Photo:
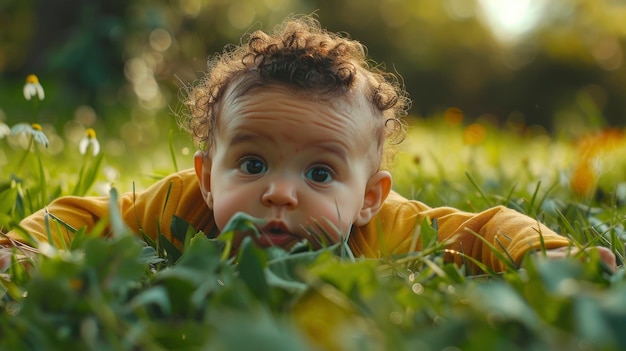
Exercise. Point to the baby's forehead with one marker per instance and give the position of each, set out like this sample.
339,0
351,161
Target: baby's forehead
355,101
348,103
357,98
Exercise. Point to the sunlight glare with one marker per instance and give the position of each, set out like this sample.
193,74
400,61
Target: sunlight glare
510,20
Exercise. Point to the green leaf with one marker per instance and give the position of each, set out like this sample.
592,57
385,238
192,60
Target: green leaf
591,323
180,228
197,274
200,261
171,251
503,303
242,222
345,275
285,272
252,262
117,262
154,296
428,232
78,239
255,330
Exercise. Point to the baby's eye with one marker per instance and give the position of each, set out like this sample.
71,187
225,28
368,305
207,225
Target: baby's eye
320,174
252,166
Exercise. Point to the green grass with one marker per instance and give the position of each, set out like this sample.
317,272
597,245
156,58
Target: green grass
123,293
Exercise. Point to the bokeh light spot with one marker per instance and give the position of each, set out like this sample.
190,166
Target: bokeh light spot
85,115
160,39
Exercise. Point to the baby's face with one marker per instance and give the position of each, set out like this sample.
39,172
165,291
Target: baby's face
291,161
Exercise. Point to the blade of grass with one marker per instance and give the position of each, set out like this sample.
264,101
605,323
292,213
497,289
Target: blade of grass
88,173
43,191
531,209
479,189
171,149
510,264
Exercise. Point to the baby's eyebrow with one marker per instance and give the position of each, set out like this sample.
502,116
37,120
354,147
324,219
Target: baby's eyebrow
241,138
334,148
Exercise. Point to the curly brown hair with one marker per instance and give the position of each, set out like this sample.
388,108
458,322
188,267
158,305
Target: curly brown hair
298,53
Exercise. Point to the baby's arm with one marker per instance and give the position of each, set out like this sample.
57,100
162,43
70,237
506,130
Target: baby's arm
72,212
150,211
512,233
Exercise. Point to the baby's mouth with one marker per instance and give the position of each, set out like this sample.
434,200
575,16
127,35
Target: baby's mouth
276,233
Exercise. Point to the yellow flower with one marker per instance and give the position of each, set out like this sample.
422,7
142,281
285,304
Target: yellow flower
89,140
33,87
31,129
474,134
592,149
584,178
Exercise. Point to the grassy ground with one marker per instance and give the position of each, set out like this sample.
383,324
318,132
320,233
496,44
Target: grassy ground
121,293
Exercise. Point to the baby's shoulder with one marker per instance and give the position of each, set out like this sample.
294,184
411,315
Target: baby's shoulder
396,202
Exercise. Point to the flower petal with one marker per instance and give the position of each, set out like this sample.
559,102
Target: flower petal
29,91
40,93
21,128
41,138
83,144
96,146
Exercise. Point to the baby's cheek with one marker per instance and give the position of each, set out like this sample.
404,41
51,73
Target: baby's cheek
222,212
336,227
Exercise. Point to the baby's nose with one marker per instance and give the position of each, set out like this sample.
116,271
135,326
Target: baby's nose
281,193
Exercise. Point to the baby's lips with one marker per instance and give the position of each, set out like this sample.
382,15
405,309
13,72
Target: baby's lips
275,227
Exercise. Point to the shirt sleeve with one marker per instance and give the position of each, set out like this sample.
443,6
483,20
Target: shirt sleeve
149,211
395,231
71,211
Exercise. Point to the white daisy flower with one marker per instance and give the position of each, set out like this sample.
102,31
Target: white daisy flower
33,88
33,130
89,140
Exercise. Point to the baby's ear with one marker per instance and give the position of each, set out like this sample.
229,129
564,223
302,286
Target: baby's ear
378,187
202,165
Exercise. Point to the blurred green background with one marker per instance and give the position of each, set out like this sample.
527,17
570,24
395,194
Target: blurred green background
556,65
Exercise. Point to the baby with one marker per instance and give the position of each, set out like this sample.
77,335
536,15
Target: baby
292,129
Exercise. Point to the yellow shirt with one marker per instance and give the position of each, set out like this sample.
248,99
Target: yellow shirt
392,231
